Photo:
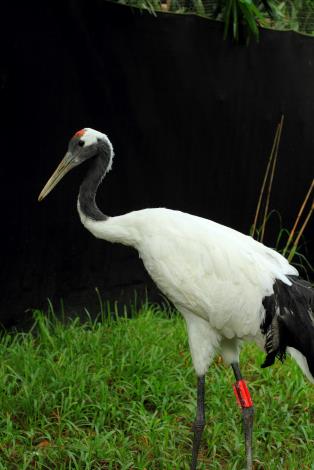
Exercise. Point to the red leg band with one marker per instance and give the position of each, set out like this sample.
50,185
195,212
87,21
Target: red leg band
242,394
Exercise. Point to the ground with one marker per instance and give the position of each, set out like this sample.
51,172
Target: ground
120,394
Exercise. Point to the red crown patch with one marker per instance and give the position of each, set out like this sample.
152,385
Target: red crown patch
79,133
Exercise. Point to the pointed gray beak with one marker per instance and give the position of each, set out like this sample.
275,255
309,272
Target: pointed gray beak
63,168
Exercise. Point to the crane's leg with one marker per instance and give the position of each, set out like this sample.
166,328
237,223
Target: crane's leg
199,423
244,399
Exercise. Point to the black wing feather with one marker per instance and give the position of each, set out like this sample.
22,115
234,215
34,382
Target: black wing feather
289,320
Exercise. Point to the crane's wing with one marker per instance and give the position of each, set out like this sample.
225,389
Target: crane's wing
211,270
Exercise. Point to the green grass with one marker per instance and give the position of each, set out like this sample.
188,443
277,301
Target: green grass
120,394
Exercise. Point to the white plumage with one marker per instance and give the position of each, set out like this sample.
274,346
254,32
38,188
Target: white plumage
214,275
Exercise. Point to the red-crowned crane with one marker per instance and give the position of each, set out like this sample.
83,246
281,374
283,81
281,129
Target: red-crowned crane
227,286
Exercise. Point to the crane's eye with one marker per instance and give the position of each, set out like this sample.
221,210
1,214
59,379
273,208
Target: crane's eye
81,143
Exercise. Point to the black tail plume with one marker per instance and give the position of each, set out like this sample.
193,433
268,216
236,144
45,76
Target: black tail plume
289,321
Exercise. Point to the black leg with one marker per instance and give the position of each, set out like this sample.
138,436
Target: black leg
245,401
199,423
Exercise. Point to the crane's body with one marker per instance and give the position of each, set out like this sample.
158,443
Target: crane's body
228,286
217,277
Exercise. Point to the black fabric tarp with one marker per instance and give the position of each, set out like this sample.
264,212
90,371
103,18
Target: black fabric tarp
191,117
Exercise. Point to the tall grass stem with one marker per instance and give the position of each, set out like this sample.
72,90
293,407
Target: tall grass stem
296,242
260,199
296,223
274,161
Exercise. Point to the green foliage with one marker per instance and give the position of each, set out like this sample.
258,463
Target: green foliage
120,394
150,5
239,14
297,15
242,18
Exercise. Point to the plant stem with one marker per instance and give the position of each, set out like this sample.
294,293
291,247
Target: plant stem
298,218
264,183
295,245
278,135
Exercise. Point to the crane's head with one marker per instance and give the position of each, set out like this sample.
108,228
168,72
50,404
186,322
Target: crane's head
84,145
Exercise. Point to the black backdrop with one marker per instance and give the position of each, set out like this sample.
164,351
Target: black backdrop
191,117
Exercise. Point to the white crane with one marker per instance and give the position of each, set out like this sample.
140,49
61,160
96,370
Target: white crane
227,286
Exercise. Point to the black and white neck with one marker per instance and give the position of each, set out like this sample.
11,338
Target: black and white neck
100,163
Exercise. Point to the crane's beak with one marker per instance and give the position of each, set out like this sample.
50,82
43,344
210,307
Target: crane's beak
63,168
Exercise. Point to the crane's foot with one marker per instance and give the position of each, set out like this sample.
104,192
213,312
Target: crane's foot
245,402
199,423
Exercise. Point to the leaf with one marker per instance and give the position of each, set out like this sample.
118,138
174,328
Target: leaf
227,16
235,21
249,18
